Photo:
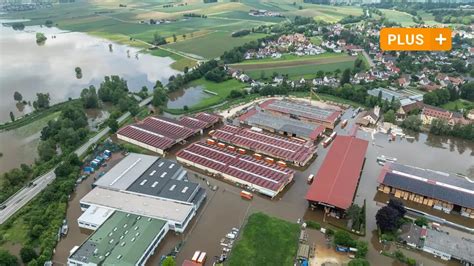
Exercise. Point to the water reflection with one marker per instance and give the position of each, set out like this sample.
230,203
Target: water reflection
188,97
29,68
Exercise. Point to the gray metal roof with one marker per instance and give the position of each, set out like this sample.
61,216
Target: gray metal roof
460,248
122,175
166,179
281,123
386,94
431,183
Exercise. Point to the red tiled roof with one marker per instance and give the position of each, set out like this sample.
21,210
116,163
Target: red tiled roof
168,127
336,181
269,144
211,119
137,132
317,132
242,167
248,114
193,122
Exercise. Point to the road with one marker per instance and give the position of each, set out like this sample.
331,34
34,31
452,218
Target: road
23,196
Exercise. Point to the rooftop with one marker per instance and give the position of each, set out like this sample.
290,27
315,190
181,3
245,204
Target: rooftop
386,94
280,123
138,204
336,182
121,240
96,215
429,183
123,174
459,247
300,109
273,145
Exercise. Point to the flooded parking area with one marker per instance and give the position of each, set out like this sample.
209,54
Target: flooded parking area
224,208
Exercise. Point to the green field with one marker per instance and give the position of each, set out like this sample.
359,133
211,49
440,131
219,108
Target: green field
403,18
222,90
180,61
242,15
325,12
212,45
295,66
458,105
266,241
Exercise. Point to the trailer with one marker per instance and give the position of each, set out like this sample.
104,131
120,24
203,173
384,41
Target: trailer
246,195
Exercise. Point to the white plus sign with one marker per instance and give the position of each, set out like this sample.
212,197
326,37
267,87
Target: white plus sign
440,39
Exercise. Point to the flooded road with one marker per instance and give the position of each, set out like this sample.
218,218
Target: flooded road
30,68
224,208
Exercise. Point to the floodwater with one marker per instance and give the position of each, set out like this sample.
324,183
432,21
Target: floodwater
186,97
17,149
30,68
224,209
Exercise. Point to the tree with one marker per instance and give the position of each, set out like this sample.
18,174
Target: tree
27,254
12,116
398,205
359,262
346,76
7,259
387,219
412,122
421,221
467,91
356,214
40,38
362,249
112,89
42,101
17,96
389,116
158,39
236,94
343,238
168,261
160,97
89,97
112,124
174,38
46,150
430,98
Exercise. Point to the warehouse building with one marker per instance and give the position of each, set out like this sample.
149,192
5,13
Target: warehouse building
158,134
158,188
265,178
441,191
302,111
282,125
336,182
440,244
292,150
123,239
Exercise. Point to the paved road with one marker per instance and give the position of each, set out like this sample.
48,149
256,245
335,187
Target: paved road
22,197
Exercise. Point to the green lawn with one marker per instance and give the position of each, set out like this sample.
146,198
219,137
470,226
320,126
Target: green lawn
243,15
292,58
212,45
266,241
222,89
403,18
459,104
301,71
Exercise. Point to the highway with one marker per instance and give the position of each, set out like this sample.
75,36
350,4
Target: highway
23,196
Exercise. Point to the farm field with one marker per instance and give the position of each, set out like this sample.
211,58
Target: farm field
297,67
212,45
326,13
180,61
292,58
266,241
222,90
243,15
403,18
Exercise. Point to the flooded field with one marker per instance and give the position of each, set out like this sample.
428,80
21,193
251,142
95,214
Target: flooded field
186,97
224,209
30,68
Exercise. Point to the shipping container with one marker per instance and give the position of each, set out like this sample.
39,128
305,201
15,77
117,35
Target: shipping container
281,164
333,135
269,160
211,141
257,156
231,148
221,145
326,142
241,151
256,129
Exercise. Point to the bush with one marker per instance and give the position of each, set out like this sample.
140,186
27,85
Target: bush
313,225
27,254
421,221
343,238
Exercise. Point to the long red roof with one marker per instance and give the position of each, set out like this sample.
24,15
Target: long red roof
336,181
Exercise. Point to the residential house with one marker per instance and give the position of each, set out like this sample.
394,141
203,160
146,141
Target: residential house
369,117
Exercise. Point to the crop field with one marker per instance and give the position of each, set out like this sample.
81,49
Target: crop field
266,241
212,45
326,13
242,15
403,18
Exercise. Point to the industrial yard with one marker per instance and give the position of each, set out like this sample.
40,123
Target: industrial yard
227,159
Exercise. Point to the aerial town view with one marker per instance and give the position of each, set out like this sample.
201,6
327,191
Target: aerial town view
236,132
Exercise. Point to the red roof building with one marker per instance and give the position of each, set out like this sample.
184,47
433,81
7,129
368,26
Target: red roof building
336,182
268,179
292,150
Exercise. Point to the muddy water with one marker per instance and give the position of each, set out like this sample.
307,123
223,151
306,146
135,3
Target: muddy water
17,149
189,97
224,208
50,68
